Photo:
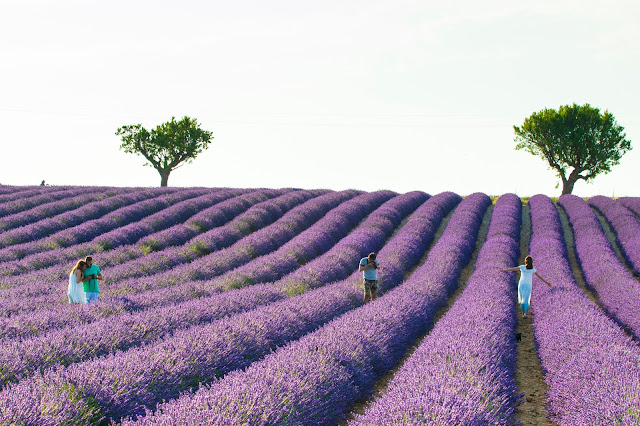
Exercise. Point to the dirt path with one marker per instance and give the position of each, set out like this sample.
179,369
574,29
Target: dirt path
467,271
613,240
381,385
577,270
573,260
436,237
529,377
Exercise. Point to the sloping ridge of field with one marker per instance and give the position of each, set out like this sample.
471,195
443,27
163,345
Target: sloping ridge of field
220,294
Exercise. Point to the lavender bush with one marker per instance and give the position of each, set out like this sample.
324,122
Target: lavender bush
98,227
464,370
632,203
625,225
75,199
23,200
238,227
201,350
618,291
317,378
288,216
205,220
591,367
10,189
24,191
43,228
296,220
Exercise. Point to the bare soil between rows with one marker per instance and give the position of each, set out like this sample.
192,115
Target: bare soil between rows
382,384
529,376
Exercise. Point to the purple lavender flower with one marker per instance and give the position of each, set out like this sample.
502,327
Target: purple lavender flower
463,372
204,359
74,200
40,298
632,203
43,228
20,201
223,213
625,225
315,379
591,367
291,223
88,230
618,291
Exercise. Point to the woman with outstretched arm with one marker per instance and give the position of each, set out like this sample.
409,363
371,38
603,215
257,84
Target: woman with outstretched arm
526,283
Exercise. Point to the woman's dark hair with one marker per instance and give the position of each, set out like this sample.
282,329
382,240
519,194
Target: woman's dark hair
528,261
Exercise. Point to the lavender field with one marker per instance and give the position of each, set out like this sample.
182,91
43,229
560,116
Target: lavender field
230,306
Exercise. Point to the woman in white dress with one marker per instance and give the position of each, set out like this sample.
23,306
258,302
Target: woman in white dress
527,271
76,278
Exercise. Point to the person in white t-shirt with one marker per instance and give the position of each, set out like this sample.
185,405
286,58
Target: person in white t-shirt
527,271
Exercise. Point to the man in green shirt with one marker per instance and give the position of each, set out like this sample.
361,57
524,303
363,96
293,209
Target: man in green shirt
91,289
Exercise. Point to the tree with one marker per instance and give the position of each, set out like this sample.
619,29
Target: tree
167,147
576,137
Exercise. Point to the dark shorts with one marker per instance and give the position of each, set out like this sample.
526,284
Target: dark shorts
369,286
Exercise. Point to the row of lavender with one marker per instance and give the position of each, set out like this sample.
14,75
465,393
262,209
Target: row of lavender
133,379
235,214
86,231
316,379
577,235
235,220
8,192
618,291
332,227
625,225
118,332
52,237
226,206
464,370
72,201
632,203
15,202
592,367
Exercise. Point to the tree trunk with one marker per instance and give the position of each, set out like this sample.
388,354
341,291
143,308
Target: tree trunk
164,177
567,183
567,186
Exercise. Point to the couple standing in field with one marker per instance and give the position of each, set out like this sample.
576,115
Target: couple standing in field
83,282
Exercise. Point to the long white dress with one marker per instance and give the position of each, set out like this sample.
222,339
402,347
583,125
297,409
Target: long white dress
75,290
525,284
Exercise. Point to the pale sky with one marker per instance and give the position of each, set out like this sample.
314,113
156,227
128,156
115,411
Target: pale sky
378,94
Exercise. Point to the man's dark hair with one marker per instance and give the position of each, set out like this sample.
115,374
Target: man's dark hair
372,256
88,259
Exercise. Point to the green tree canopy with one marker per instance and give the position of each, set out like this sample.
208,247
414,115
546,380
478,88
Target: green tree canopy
168,146
577,141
